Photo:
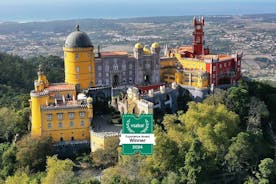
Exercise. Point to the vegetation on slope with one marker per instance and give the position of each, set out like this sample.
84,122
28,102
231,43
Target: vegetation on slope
227,138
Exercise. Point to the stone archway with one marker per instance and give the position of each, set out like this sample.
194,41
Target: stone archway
115,80
147,79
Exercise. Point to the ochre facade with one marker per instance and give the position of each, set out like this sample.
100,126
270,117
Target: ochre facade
79,67
57,112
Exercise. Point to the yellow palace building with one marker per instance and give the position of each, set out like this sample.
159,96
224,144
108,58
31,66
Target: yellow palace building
58,110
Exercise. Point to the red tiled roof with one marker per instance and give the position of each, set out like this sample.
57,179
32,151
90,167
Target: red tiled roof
149,87
220,56
224,56
186,48
61,87
114,53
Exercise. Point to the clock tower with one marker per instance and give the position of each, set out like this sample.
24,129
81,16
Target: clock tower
198,42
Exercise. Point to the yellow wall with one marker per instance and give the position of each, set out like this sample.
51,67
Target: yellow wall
98,140
67,131
80,58
167,75
178,77
191,79
167,70
36,102
191,64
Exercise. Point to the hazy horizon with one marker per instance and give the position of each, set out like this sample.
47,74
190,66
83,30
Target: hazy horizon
33,10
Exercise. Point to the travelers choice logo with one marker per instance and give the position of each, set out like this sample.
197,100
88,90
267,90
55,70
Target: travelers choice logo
137,134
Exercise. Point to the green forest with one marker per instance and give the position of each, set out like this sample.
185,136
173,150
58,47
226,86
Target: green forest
229,137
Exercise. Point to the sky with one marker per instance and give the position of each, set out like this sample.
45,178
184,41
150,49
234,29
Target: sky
34,10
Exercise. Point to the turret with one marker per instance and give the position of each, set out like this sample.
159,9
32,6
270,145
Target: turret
138,50
194,21
39,97
198,40
155,48
41,83
202,20
155,51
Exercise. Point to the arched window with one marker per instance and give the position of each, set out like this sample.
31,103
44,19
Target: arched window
115,67
115,81
77,69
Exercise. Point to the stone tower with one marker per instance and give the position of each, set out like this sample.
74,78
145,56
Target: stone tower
155,51
147,64
198,40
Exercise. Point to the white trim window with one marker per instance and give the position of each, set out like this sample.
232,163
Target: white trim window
49,117
71,115
82,114
115,67
77,69
49,125
77,56
60,125
59,116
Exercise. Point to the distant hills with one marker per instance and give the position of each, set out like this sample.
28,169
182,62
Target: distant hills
254,34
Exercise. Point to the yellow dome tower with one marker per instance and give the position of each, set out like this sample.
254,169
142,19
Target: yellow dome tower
79,60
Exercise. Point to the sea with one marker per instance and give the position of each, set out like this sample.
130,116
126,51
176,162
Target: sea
127,9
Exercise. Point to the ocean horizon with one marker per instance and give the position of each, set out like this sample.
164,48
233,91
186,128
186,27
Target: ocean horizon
51,12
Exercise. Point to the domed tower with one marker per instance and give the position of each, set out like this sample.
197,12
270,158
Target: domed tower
138,50
79,60
155,51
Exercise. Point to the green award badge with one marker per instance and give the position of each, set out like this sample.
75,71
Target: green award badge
137,134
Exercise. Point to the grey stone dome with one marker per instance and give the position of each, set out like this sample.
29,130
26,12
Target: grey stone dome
78,39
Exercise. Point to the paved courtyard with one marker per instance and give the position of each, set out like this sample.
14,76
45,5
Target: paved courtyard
102,123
